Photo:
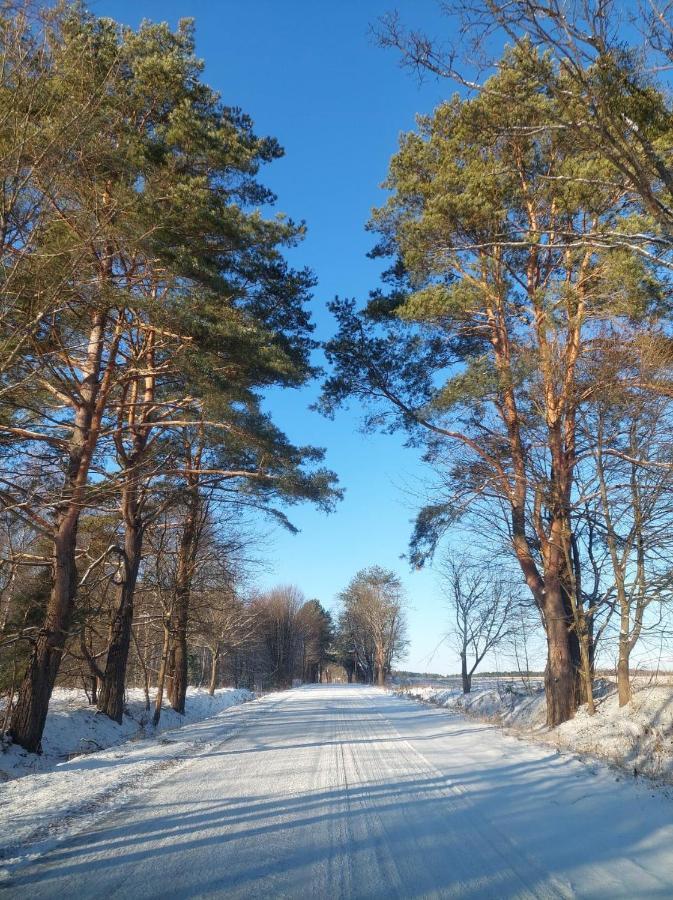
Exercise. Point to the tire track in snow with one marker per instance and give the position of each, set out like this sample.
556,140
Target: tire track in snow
533,877
339,793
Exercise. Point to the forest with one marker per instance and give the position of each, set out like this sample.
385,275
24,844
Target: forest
521,338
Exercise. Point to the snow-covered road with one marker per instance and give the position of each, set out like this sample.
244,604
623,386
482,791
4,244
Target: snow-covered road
341,791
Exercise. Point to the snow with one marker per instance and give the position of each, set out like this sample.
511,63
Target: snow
46,797
637,737
345,791
74,727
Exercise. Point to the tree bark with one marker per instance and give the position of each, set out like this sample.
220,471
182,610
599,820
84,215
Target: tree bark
179,669
559,680
586,674
215,656
465,675
548,592
30,712
161,678
111,700
111,696
185,570
624,671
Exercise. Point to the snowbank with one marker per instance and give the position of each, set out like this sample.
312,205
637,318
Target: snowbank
637,737
74,728
35,810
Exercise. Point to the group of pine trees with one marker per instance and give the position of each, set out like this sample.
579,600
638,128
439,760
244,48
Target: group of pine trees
523,338
145,306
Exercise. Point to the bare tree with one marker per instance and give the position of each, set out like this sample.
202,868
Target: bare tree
482,604
277,612
373,621
627,432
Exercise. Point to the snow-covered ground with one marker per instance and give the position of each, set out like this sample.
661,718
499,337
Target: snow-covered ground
343,791
74,728
637,737
48,796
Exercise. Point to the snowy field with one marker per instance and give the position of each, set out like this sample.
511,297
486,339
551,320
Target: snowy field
637,737
343,791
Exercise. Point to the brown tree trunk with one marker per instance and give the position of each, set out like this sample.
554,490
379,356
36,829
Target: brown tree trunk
465,675
582,655
380,668
548,592
559,679
161,678
580,639
179,669
213,672
111,696
185,571
624,672
111,701
30,712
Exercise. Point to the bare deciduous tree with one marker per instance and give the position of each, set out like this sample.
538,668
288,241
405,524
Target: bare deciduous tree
482,604
373,622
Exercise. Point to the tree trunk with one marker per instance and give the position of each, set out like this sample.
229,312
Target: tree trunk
161,678
581,635
465,675
586,674
549,596
559,680
178,691
623,672
213,672
111,700
185,571
143,666
30,712
111,697
581,651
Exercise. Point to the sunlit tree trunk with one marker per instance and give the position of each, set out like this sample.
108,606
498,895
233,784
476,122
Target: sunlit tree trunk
30,712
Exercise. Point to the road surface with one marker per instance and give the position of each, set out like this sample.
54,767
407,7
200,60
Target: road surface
344,792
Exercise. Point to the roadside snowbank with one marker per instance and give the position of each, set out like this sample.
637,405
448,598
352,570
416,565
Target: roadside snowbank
37,809
637,737
74,728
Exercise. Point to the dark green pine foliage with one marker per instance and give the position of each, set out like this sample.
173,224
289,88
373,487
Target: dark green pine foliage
153,219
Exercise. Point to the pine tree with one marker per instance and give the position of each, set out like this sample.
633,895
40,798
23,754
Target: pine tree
173,295
478,350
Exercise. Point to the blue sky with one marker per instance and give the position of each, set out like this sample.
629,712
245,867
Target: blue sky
309,74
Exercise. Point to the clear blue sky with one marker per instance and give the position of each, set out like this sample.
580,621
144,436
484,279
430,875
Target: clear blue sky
309,74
